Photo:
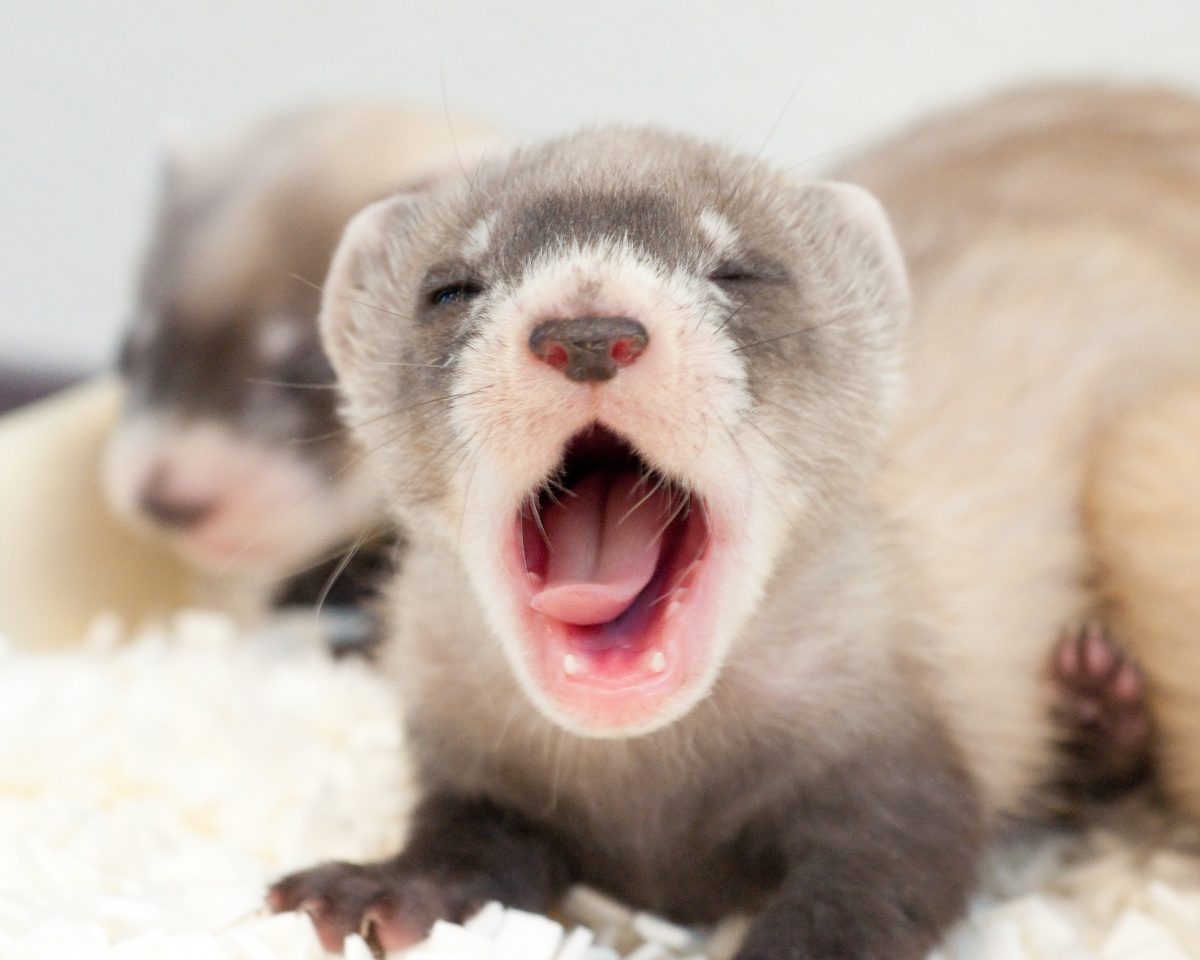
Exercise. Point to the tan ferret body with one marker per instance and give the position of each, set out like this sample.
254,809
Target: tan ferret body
1142,516
1052,239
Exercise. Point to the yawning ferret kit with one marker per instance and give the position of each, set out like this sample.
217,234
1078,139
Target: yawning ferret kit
732,585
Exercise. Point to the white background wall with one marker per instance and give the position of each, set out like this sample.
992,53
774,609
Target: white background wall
85,87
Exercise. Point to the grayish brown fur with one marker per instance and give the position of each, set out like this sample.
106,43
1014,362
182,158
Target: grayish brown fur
817,778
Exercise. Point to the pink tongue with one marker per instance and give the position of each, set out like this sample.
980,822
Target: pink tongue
604,543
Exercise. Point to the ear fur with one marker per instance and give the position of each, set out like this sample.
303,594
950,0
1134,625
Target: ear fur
374,240
177,154
368,243
848,230
860,226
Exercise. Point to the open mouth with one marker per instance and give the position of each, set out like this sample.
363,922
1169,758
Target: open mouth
612,562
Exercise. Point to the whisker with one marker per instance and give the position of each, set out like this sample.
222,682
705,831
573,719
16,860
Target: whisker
308,283
320,288
347,428
466,500
685,500
813,158
653,490
792,333
290,385
352,463
446,398
842,435
373,530
732,316
770,133
753,466
537,518
393,363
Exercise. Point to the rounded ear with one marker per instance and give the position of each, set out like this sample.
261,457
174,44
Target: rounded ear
366,259
865,243
850,237
863,209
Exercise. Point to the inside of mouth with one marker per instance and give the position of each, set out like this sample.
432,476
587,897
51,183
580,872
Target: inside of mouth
607,547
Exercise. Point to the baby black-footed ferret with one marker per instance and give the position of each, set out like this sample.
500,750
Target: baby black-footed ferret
230,445
654,634
700,610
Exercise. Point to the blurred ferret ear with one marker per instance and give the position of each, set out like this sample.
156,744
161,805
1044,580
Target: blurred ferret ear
462,161
371,248
176,152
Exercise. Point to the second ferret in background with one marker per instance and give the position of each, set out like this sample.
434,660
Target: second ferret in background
230,447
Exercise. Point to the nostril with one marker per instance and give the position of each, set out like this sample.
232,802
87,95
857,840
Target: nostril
556,355
174,512
589,348
626,350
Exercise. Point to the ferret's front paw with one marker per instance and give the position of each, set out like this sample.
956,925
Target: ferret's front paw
389,906
1101,709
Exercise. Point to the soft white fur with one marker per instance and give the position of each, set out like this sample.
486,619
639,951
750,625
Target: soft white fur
149,791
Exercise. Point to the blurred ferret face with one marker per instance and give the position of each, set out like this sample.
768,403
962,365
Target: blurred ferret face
230,445
615,373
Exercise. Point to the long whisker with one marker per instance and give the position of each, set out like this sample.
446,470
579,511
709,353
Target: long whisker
351,463
753,466
320,288
770,133
291,385
392,413
651,492
792,333
391,363
371,531
731,317
535,510
462,520
685,500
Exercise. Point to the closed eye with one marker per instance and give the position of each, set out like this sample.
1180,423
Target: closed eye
731,274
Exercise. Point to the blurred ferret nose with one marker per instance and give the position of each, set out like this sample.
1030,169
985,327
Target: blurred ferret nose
589,348
172,510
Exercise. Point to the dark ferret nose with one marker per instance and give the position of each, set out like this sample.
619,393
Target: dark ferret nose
589,348
172,512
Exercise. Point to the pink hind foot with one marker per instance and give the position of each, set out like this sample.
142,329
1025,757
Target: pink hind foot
1100,709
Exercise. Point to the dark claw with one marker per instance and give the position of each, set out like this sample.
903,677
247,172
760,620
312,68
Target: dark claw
389,909
387,905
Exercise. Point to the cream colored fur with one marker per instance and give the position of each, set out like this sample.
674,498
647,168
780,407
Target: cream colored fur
1141,509
1053,239
66,558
